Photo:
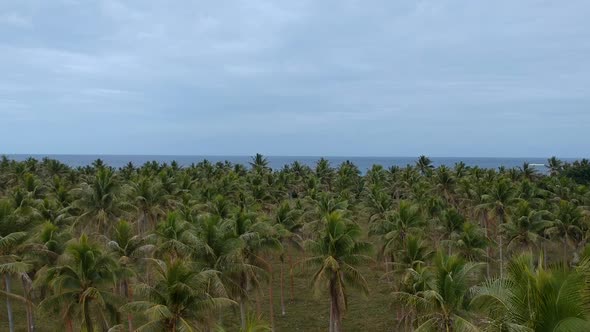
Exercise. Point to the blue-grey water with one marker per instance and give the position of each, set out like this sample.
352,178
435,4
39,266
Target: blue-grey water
277,162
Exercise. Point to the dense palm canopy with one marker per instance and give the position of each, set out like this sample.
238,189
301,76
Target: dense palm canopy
208,246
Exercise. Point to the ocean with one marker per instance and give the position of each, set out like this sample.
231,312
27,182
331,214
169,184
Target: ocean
277,162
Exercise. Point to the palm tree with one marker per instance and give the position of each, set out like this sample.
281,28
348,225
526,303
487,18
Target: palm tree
424,165
554,165
568,225
407,220
181,298
499,201
176,238
471,243
442,305
98,205
10,264
148,199
526,227
82,285
129,249
336,253
531,298
451,226
288,219
259,163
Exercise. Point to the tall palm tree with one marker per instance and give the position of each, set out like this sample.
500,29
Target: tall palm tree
499,201
259,163
554,165
82,285
180,299
336,253
176,238
10,264
147,198
471,243
568,225
451,226
526,228
424,165
130,249
98,204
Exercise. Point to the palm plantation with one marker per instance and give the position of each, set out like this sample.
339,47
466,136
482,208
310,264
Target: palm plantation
224,247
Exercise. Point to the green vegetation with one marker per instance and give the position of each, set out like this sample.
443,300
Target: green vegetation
224,247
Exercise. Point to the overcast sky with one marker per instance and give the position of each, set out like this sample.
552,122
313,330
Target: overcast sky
317,77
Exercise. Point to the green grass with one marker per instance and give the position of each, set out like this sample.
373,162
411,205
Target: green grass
310,312
307,312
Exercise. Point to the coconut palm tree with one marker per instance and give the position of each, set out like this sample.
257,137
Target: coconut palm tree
98,204
424,165
554,165
175,238
129,249
10,265
499,201
148,199
568,225
451,225
336,253
532,298
526,228
181,297
471,243
82,284
442,304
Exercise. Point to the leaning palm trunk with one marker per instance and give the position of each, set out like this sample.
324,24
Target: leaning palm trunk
7,283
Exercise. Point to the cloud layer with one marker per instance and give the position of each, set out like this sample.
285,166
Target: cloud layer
439,77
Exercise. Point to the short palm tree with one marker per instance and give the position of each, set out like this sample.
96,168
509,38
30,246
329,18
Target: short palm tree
443,304
531,298
181,297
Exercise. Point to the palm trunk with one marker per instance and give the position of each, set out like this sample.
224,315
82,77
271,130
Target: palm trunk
29,307
565,251
282,292
485,228
292,278
331,326
386,266
544,255
88,318
258,306
243,312
334,305
129,296
69,325
271,302
501,245
7,283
